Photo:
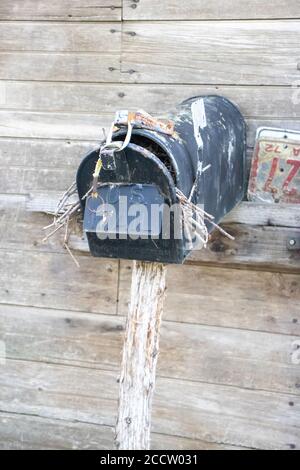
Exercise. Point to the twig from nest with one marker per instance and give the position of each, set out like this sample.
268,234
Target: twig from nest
190,210
65,212
67,194
66,239
69,211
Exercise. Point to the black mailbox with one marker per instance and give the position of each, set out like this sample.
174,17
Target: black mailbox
202,156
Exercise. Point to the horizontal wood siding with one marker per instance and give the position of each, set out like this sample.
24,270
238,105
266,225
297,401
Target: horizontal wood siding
58,10
228,375
199,410
236,53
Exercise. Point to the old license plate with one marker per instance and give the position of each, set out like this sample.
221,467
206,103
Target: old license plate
275,169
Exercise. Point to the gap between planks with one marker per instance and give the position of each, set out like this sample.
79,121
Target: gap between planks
150,84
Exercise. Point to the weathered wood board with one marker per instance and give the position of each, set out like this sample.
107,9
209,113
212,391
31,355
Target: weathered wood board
52,280
60,51
25,432
243,299
87,67
267,245
237,53
60,37
43,153
100,98
203,10
58,10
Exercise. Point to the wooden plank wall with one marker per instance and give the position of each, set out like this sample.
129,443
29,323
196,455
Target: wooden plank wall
229,373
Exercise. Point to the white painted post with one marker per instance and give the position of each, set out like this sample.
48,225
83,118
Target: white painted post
140,353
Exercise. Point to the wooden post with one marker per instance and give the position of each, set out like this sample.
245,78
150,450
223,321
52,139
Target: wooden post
140,353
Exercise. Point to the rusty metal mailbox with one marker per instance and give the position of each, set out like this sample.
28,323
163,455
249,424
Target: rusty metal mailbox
199,151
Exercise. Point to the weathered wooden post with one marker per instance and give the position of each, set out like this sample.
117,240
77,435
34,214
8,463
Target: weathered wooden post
140,354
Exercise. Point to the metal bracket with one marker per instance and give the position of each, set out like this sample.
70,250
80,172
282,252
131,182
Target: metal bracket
293,243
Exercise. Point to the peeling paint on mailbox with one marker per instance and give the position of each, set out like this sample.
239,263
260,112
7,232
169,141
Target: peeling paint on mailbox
275,169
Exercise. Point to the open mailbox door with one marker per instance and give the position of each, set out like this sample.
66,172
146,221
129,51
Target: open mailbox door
201,153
